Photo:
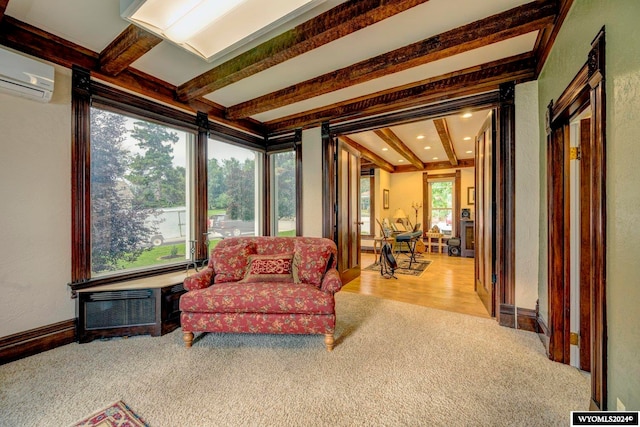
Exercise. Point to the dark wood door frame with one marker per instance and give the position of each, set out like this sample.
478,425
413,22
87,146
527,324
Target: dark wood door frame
329,196
587,90
502,101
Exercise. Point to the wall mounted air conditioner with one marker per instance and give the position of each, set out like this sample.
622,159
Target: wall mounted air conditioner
25,77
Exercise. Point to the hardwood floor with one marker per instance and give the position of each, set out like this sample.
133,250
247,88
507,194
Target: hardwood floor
447,284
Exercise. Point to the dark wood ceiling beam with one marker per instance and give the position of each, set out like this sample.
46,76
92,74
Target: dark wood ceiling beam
365,152
3,7
125,49
34,41
470,81
434,166
515,22
400,147
544,43
445,138
331,25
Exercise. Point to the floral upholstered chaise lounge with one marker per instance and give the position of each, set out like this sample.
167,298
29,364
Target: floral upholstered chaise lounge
269,285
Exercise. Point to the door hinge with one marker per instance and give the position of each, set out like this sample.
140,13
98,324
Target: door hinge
574,153
574,338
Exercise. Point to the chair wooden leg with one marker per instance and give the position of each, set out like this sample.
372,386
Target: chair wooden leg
187,337
328,341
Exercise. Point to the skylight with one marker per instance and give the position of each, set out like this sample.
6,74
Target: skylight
212,28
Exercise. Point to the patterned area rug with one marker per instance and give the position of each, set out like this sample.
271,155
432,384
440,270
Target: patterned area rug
417,267
117,414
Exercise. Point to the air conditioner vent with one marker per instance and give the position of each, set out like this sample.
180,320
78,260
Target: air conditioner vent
129,294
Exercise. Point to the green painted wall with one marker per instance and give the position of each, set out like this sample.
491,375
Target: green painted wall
569,53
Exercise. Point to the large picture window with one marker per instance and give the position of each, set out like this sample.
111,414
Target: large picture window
139,191
232,191
283,192
142,203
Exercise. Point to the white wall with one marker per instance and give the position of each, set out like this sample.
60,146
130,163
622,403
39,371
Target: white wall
312,182
467,180
405,188
35,220
527,163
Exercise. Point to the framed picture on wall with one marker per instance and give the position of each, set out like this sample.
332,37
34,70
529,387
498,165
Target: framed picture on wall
471,195
385,199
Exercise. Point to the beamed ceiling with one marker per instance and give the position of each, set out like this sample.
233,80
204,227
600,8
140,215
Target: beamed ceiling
342,61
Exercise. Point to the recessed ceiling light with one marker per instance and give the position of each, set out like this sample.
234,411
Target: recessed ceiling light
420,136
467,138
435,158
469,152
385,149
466,115
401,160
427,148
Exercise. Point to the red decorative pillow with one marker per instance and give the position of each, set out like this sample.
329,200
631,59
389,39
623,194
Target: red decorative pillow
310,262
269,268
230,263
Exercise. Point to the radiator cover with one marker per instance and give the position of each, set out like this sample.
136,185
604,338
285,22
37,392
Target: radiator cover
105,314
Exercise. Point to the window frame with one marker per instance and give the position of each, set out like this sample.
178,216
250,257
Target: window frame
86,92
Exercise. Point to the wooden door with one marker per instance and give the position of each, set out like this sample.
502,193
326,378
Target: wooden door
348,211
484,216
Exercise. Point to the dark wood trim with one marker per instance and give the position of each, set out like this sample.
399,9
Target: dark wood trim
393,141
457,203
126,48
329,197
442,175
586,277
596,65
433,110
502,26
586,89
505,199
201,207
34,341
340,21
267,206
299,175
426,206
527,318
80,175
3,7
470,81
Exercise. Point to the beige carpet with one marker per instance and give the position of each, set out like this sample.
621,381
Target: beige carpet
394,364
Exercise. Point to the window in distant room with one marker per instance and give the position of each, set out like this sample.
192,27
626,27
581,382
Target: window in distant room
441,205
233,191
140,215
283,193
366,206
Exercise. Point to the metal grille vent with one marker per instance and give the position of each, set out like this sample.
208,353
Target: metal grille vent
104,296
120,312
